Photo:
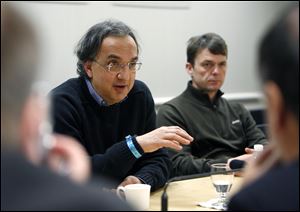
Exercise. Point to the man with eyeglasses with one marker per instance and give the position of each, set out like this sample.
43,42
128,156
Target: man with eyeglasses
222,130
111,114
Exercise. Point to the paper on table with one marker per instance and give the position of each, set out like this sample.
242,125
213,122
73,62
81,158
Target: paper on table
210,204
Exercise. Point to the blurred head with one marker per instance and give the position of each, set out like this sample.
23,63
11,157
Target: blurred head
24,108
207,62
279,71
18,68
107,56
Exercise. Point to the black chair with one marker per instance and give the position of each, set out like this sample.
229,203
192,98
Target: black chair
264,128
259,117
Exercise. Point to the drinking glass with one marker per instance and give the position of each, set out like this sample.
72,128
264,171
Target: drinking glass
222,181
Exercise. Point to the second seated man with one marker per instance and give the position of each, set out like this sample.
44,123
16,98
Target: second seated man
221,129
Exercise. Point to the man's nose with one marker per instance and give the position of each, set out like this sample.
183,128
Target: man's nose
124,73
216,70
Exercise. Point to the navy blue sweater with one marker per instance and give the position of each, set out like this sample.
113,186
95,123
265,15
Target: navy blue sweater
102,130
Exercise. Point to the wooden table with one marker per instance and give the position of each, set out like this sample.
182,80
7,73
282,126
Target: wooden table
184,195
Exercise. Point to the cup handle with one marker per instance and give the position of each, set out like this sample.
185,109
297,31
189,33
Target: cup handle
121,192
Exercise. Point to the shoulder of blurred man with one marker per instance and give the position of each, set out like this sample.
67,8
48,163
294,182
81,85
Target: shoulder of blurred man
28,187
267,192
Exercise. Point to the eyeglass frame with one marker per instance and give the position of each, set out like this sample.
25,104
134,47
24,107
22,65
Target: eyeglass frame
120,66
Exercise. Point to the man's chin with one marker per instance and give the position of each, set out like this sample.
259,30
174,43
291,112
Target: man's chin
118,100
213,89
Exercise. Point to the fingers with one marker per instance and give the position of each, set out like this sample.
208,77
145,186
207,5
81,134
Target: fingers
130,180
171,144
179,131
68,157
177,138
249,150
172,137
175,133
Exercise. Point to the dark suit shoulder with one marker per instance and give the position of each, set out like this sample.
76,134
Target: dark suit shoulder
27,187
276,190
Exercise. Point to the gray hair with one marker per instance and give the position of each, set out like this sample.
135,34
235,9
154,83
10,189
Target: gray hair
89,45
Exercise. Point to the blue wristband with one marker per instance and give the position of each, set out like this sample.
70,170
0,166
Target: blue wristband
132,147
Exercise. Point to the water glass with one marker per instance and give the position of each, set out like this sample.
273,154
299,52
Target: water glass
222,181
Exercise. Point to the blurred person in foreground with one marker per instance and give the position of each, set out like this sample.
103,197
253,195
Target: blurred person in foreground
111,113
272,180
26,183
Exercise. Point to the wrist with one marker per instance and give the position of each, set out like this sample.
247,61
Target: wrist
139,142
133,146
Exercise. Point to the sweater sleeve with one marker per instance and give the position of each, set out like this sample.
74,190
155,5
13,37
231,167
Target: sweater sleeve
184,163
153,168
116,162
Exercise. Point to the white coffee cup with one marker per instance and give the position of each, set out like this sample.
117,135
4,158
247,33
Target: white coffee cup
137,195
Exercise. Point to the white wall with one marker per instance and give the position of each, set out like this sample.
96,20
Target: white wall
163,29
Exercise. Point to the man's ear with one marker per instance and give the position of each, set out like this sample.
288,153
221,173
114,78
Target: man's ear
189,69
276,110
88,68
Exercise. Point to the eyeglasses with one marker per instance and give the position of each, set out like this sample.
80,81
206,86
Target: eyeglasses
115,67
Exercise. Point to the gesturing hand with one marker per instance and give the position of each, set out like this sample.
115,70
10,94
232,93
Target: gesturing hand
172,137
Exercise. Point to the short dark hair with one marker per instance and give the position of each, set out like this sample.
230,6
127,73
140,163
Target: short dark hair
279,58
213,42
88,46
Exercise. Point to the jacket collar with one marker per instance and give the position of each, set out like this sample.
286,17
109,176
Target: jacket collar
201,96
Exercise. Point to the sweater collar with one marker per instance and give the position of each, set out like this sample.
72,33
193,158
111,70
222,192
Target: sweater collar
201,96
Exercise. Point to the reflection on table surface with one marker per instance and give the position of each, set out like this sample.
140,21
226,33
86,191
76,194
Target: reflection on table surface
184,195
